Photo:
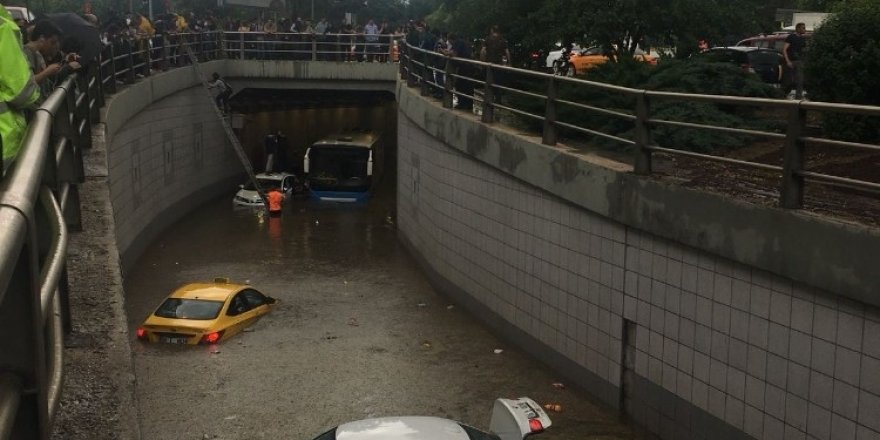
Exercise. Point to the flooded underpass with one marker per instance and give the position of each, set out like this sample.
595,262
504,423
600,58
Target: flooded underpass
357,332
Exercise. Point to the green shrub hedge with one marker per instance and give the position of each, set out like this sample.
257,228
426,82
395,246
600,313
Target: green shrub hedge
843,65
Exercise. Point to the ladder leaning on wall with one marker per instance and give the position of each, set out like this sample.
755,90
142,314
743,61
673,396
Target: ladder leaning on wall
233,139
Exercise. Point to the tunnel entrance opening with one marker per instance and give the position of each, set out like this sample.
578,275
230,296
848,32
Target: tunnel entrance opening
276,127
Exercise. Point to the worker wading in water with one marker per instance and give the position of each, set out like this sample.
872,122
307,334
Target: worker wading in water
275,198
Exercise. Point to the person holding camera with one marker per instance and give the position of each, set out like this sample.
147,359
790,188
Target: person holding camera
45,43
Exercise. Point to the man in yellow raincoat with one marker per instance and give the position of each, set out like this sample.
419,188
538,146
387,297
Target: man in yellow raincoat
18,90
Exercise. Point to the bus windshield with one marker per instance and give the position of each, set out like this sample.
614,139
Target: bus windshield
342,168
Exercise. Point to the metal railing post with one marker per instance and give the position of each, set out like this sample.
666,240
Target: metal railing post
164,63
425,88
241,45
448,70
549,135
10,401
642,159
112,64
97,91
488,97
314,47
148,58
791,195
129,74
410,76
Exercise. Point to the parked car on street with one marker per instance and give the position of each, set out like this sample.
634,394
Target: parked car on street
512,419
582,60
764,62
775,41
205,313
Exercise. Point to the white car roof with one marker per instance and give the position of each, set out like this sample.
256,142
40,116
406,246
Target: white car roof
401,428
272,176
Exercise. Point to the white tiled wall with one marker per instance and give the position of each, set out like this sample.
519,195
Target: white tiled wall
173,148
770,358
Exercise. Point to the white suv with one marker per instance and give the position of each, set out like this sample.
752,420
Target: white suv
247,195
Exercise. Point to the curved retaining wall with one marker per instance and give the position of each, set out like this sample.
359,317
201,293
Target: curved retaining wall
677,307
166,153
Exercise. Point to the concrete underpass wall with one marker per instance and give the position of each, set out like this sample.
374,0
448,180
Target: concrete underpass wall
654,314
167,152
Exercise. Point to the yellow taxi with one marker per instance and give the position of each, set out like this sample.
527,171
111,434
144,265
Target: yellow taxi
205,313
585,59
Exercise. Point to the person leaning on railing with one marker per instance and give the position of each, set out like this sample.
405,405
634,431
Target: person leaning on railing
18,90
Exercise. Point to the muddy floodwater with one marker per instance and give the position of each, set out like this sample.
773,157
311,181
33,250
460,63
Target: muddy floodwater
358,332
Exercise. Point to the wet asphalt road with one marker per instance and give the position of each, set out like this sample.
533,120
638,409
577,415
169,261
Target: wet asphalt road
358,333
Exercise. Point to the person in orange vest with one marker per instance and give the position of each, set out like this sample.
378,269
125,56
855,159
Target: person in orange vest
275,198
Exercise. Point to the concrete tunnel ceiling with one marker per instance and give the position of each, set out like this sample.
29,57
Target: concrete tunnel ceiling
252,100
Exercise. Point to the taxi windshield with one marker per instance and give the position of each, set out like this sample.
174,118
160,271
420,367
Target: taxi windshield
198,309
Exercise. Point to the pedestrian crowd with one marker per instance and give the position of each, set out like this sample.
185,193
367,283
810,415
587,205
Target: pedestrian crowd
492,49
38,55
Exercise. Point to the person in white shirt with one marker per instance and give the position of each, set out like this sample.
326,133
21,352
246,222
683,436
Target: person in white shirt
371,36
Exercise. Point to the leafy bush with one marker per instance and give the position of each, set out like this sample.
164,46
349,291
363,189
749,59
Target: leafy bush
842,65
689,76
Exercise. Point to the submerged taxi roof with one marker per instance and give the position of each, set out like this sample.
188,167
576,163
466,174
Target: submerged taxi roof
217,290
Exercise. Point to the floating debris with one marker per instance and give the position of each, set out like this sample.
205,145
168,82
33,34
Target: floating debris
450,307
426,344
423,305
498,351
559,385
353,322
555,407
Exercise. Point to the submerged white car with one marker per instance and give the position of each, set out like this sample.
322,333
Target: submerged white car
512,419
247,195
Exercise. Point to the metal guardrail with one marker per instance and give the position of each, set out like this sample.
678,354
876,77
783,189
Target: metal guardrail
125,60
38,203
311,47
33,242
448,77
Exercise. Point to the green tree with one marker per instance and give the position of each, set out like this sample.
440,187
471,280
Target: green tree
612,24
819,5
842,66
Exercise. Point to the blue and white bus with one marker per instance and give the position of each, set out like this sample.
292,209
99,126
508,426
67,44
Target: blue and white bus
344,167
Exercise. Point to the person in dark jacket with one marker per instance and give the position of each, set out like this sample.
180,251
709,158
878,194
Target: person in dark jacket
460,48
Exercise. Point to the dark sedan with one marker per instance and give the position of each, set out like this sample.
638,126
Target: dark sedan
766,63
